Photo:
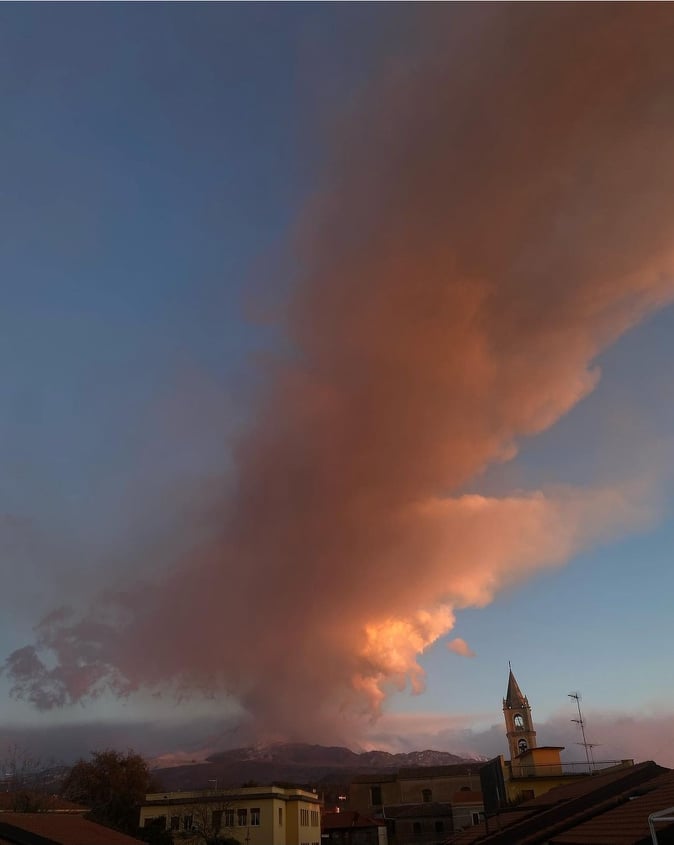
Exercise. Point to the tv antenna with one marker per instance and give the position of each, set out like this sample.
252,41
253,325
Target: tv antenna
588,746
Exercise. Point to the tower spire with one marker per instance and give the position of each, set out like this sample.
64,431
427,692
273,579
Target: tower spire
517,714
514,696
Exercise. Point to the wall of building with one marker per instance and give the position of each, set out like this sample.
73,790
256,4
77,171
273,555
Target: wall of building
363,793
544,761
356,835
423,830
253,815
466,815
439,788
437,784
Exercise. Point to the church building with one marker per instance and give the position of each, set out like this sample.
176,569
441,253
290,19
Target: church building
532,769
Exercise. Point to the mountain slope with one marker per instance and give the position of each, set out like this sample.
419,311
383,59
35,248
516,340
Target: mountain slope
294,763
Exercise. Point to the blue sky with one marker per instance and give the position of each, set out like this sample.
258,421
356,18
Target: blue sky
153,160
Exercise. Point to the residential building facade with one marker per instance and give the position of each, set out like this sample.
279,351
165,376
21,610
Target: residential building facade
420,805
414,785
267,815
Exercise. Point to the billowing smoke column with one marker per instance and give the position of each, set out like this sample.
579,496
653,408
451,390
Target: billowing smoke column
493,215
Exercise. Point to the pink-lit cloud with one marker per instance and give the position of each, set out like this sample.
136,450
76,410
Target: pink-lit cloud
461,647
491,218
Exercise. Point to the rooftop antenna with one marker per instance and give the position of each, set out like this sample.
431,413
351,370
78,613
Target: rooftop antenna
588,746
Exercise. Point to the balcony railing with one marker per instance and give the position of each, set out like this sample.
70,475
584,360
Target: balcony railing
529,770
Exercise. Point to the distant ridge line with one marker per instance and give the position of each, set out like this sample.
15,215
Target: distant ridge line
300,763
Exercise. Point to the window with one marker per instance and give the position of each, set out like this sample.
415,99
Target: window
475,818
426,796
519,722
254,816
187,822
242,817
216,820
439,826
175,822
375,796
229,818
304,817
522,746
280,815
416,828
314,818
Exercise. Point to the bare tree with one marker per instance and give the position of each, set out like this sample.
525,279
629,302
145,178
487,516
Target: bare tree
25,780
210,823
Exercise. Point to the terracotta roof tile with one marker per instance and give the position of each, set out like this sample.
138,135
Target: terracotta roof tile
564,808
63,829
348,818
48,803
627,824
468,836
495,823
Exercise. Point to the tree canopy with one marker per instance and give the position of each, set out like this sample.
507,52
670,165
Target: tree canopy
112,785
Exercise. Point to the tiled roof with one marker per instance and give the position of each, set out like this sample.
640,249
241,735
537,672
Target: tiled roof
48,803
347,818
562,809
627,824
476,832
60,828
591,783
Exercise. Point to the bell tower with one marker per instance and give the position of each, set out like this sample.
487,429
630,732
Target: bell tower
519,724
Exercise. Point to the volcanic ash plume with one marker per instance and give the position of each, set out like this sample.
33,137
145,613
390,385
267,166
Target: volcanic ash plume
493,215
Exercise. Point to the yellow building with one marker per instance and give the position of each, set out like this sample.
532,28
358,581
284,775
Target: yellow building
412,785
422,804
260,815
